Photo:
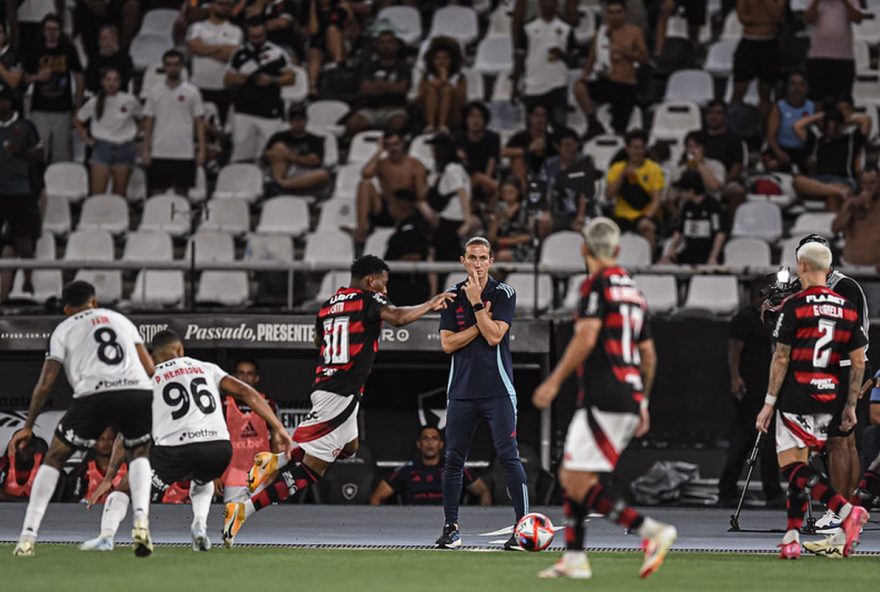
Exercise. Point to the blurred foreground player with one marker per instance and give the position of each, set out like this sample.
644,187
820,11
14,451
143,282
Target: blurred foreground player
191,440
815,330
613,354
347,330
109,369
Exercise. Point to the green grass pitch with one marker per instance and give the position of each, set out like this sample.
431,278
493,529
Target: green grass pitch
63,568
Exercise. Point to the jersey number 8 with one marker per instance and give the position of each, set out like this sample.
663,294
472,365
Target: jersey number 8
109,350
203,398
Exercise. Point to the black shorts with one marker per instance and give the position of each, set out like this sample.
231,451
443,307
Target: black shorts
694,11
830,78
201,462
627,225
129,412
621,97
169,173
757,58
22,213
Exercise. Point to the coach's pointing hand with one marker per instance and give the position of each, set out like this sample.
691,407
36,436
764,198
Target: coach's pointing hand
762,423
544,394
439,301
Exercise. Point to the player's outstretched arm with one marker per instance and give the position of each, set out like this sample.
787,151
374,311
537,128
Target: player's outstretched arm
48,376
403,315
586,333
252,399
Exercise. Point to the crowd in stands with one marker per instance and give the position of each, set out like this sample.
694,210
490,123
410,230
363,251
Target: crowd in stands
515,119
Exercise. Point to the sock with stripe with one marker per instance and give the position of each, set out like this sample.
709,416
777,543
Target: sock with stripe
804,477
795,508
291,478
115,509
575,529
41,494
615,510
868,489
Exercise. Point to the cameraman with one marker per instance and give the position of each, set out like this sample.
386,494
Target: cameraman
859,219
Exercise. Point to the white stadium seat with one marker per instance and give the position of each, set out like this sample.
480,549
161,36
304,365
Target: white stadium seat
159,21
47,283
326,115
147,49
228,215
69,180
211,246
420,149
406,21
229,288
866,89
269,247
329,246
500,22
107,283
690,85
348,177
337,213
332,281
458,22
377,243
284,215
862,55
869,29
602,149
660,291
56,218
494,56
814,222
199,193
364,146
758,219
148,245
299,90
586,26
733,28
239,181
96,245
524,285
673,121
747,252
573,295
562,248
635,250
717,294
167,212
157,288
719,61
104,212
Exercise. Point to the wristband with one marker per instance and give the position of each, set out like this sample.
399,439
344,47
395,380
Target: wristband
770,399
478,306
643,404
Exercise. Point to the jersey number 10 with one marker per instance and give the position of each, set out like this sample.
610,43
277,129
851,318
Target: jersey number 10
336,340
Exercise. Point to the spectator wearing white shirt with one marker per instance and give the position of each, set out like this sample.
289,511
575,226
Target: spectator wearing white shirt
112,116
547,39
212,43
257,72
172,112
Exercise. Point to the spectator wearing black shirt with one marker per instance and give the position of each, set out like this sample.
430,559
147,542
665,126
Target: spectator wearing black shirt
410,242
55,71
419,481
443,90
479,150
528,149
726,147
835,145
385,83
20,149
257,72
701,230
327,22
91,16
108,56
296,157
510,230
570,180
281,23
748,359
10,70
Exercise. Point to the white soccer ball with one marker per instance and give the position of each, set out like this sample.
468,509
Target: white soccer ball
534,532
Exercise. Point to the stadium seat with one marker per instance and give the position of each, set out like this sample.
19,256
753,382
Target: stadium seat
677,28
660,291
494,56
866,89
348,177
228,288
331,148
476,87
299,90
136,191
348,481
284,215
211,246
747,252
167,212
363,146
107,283
377,242
602,149
733,28
159,22
869,29
562,249
337,213
96,245
47,283
156,288
751,98
787,248
573,294
690,85
332,281
717,294
153,76
719,61
673,121
147,49
635,250
420,149
576,120
458,22
104,212
406,21
56,218
586,26
524,285
239,181
69,180
227,215
758,219
500,22
814,222
862,55
269,247
329,246
148,245
199,193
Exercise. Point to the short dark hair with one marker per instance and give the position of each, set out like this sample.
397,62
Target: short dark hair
636,134
367,265
77,293
696,136
256,21
564,133
172,53
531,108
51,17
480,107
716,103
253,362
390,133
165,338
431,427
620,2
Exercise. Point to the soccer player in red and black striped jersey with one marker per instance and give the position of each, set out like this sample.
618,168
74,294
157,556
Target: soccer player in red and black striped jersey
815,330
613,354
347,330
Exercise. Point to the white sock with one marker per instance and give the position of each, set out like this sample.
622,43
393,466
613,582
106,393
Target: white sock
139,480
844,511
282,459
115,509
791,536
249,508
649,527
574,556
41,493
201,496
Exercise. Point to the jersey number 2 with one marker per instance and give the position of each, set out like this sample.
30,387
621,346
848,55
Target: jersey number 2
336,340
822,351
175,395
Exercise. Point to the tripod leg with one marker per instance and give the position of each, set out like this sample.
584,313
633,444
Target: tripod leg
734,519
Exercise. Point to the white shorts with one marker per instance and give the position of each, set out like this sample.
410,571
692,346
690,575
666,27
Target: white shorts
809,430
596,439
329,426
